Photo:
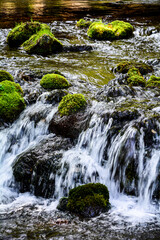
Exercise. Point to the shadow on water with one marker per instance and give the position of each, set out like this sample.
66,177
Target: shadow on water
12,11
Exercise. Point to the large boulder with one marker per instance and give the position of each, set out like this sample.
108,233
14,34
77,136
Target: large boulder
11,100
111,31
42,43
24,31
35,170
88,200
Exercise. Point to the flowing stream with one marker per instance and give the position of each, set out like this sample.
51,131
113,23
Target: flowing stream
101,154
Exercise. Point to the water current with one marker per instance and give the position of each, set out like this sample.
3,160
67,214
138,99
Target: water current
24,216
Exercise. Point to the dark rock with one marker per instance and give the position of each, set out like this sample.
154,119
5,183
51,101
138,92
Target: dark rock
62,206
70,126
35,169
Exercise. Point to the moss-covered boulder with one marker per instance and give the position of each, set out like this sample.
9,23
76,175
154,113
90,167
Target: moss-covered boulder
111,31
11,100
42,43
135,78
125,66
153,81
71,103
82,23
88,200
24,31
5,76
54,81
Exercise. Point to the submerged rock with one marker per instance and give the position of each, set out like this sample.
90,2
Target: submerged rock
125,66
54,81
111,31
11,100
42,43
35,170
88,200
4,75
24,31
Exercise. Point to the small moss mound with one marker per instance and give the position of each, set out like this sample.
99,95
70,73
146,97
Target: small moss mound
125,66
82,23
135,78
54,81
153,81
24,31
88,200
5,76
42,43
71,103
111,31
11,100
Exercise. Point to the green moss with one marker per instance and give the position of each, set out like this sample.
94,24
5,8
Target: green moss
114,30
11,100
88,200
153,82
42,43
54,81
71,103
5,76
83,23
24,31
125,66
135,78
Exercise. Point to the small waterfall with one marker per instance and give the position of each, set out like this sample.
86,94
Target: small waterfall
27,131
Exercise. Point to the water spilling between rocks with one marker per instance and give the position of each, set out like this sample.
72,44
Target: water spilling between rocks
120,147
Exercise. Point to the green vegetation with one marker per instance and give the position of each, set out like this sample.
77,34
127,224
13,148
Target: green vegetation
11,100
88,200
83,23
125,66
42,43
54,81
24,31
5,76
111,31
71,103
153,82
135,78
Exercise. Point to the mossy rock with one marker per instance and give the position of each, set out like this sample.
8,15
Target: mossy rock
111,31
88,200
135,78
5,76
54,81
24,31
11,100
82,23
153,81
42,43
71,103
125,66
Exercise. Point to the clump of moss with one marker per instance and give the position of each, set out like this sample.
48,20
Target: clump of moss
11,100
135,78
54,81
153,81
111,31
24,31
88,200
125,66
82,23
71,103
5,76
42,43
